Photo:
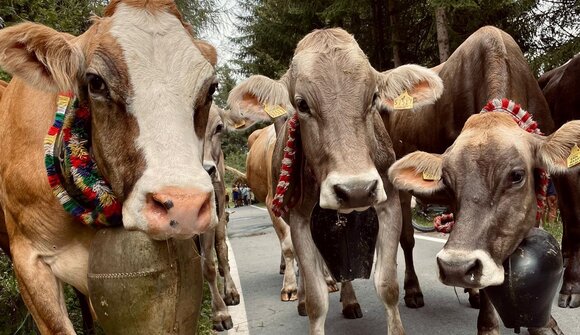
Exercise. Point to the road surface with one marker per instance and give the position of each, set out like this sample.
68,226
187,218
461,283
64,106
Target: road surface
257,256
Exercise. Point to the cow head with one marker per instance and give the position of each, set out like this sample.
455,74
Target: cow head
213,157
149,86
334,90
488,175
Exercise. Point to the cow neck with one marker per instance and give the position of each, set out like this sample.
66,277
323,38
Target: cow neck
279,208
72,173
526,121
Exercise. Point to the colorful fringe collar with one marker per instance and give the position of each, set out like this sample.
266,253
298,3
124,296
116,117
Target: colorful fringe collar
527,123
72,174
278,207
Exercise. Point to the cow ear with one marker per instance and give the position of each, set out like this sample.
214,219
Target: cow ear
419,173
559,152
423,85
258,98
41,56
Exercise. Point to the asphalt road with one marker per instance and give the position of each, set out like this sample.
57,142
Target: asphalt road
257,255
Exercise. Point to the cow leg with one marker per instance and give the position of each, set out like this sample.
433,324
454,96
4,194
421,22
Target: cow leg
231,295
413,295
311,265
301,298
567,187
88,322
474,299
330,282
487,322
385,277
282,263
350,306
220,317
289,286
40,289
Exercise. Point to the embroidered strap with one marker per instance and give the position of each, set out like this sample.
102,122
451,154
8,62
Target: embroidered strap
527,123
102,207
278,207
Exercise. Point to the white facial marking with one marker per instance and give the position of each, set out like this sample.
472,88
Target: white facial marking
329,199
166,72
491,274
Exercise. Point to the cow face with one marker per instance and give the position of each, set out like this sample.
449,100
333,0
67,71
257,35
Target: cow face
213,157
333,88
488,175
149,85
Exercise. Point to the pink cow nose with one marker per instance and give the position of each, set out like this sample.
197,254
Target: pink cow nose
177,212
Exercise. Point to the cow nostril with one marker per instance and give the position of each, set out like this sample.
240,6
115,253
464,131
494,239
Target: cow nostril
157,205
473,271
372,188
341,192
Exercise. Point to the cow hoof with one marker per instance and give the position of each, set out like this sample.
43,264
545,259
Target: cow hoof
289,295
232,298
352,311
571,300
332,286
414,300
302,309
225,324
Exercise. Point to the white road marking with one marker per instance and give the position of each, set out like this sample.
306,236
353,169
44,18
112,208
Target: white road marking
238,312
429,238
260,208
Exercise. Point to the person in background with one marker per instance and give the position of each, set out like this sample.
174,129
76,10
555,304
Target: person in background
235,195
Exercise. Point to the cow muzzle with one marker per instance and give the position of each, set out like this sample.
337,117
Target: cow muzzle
469,269
178,213
356,192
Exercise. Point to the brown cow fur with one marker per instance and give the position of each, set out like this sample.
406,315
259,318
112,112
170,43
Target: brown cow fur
560,88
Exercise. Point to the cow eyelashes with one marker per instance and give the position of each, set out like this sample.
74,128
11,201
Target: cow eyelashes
302,106
97,85
516,177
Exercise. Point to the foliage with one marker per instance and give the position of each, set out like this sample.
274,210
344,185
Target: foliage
226,83
546,30
557,34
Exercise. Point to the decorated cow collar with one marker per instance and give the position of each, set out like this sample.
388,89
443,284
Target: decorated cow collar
72,173
527,123
288,162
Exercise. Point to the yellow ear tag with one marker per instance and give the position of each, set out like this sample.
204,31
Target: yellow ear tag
240,125
574,158
274,111
403,101
428,176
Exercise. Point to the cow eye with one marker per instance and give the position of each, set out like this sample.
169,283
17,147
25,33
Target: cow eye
97,85
302,106
211,91
219,128
517,176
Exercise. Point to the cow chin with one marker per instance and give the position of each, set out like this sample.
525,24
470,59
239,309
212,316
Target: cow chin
469,269
352,192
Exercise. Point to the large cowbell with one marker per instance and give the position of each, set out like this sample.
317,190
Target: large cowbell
346,241
532,275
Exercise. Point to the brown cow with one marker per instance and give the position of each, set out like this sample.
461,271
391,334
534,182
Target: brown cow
259,175
215,239
148,84
346,151
488,176
488,65
560,87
